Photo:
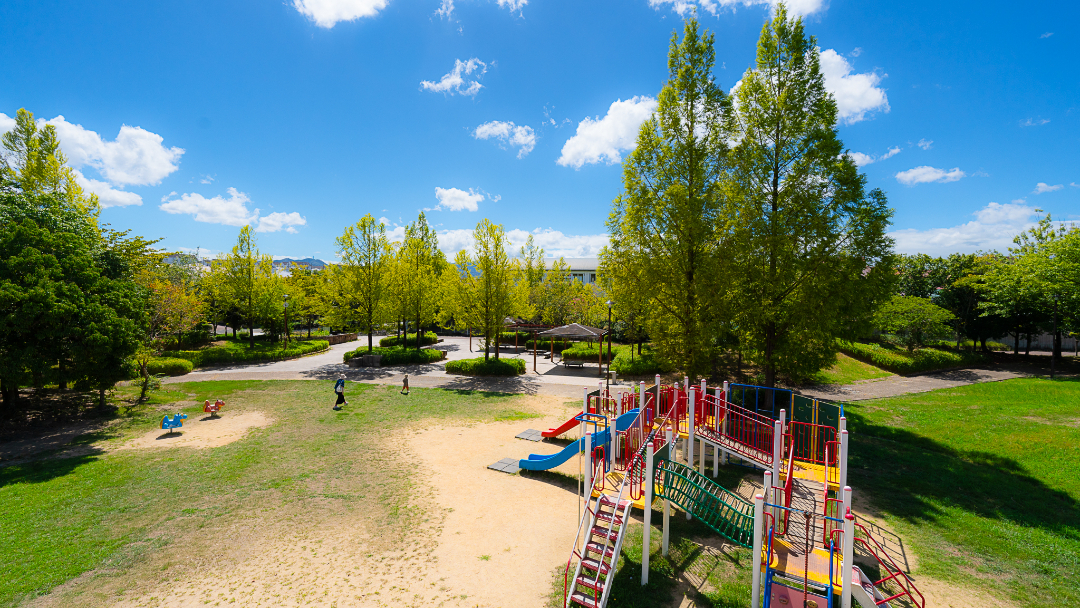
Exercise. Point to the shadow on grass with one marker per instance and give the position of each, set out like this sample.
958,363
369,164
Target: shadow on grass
45,469
907,473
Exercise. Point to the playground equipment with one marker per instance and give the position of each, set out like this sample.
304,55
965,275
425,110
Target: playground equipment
799,527
213,408
175,422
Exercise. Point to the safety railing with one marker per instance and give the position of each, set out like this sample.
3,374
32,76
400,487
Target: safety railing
896,575
810,441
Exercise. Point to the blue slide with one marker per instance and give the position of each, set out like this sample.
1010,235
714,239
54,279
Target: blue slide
543,462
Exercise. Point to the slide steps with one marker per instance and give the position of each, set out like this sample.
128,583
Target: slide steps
600,556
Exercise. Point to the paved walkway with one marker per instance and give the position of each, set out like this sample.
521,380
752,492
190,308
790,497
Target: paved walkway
548,379
899,385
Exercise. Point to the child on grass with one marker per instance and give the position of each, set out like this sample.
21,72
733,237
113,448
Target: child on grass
405,385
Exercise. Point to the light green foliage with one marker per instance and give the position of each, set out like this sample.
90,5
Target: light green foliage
483,289
483,366
358,286
302,285
847,370
668,222
233,351
808,256
399,355
246,282
168,366
914,320
421,264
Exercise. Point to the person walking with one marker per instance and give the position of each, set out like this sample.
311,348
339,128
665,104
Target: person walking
405,385
339,388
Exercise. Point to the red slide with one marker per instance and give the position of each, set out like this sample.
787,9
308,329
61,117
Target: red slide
566,426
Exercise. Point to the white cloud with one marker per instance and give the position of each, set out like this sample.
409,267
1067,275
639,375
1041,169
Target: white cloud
328,13
925,174
1074,184
513,5
865,159
446,9
231,211
1047,35
856,51
1031,122
136,157
453,199
508,133
925,144
206,179
107,195
682,7
856,94
994,227
455,81
603,139
1041,188
554,242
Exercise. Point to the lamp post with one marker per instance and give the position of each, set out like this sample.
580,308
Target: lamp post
286,321
1053,338
607,381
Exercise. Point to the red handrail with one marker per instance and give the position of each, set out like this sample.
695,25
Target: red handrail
906,587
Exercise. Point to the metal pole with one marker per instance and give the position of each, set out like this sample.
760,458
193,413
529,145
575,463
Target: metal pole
759,516
588,467
847,554
843,458
777,448
645,542
667,509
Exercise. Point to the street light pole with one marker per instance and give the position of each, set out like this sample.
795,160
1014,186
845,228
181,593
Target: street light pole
607,380
286,321
1053,338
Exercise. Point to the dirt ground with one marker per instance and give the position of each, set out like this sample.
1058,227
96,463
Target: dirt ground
486,539
203,432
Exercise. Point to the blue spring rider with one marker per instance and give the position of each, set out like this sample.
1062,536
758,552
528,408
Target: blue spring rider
175,422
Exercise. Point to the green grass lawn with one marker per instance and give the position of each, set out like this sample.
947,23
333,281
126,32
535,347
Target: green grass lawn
982,481
848,370
102,510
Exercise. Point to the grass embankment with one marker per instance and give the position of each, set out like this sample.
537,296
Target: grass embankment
982,481
486,367
398,355
225,352
625,359
847,370
898,360
107,511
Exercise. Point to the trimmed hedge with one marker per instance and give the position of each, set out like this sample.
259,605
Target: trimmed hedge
648,363
546,344
427,339
224,355
490,367
584,351
169,367
397,355
899,361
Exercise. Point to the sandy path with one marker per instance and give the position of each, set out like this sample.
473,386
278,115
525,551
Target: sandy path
203,432
477,538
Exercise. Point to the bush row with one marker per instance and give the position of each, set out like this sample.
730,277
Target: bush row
647,363
486,367
223,355
585,351
546,344
169,366
427,339
899,361
397,355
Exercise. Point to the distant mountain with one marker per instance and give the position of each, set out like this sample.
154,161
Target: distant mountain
314,263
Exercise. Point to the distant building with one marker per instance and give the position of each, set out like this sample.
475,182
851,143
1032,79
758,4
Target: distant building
581,269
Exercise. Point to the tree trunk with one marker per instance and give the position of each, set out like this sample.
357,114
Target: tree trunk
770,365
1016,342
101,399
1027,345
369,347
62,379
10,392
1056,354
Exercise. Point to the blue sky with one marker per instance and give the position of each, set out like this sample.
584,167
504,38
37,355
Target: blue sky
187,117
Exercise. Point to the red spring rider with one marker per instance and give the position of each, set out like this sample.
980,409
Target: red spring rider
213,408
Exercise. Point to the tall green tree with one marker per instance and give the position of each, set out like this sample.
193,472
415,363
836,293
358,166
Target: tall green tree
668,222
422,263
808,259
246,278
365,260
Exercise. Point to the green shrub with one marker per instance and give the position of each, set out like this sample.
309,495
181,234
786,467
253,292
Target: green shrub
398,355
237,352
169,366
647,363
900,361
585,351
913,320
486,367
427,339
546,344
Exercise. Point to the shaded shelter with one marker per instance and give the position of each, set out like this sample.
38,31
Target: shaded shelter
577,331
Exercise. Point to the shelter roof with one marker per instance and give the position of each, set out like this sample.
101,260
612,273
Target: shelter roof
574,330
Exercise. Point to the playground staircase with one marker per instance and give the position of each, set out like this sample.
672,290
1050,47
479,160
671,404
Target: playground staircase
600,556
725,513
